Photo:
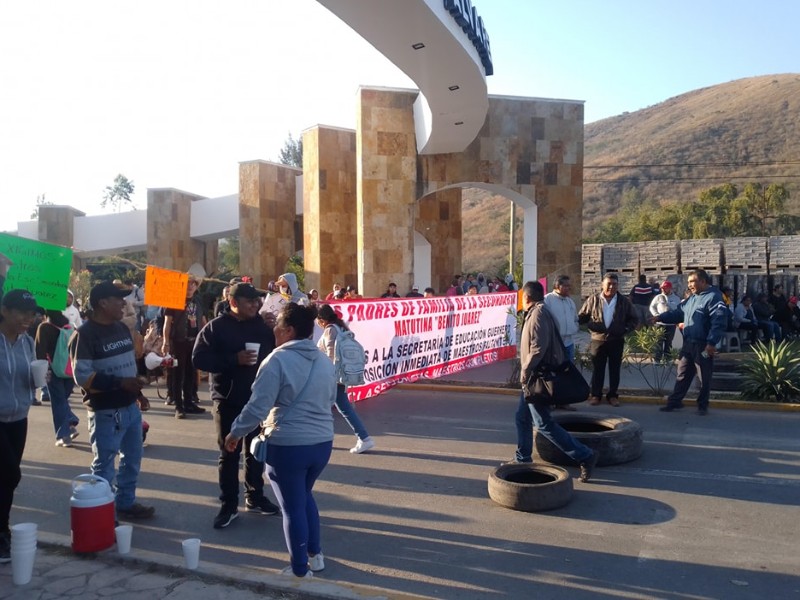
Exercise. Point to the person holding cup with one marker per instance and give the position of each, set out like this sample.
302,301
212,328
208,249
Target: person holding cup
230,348
17,391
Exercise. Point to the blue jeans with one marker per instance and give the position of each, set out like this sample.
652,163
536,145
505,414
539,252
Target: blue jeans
538,414
348,411
112,431
63,418
570,352
292,471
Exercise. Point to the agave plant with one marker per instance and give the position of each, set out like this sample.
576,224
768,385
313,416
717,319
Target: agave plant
772,373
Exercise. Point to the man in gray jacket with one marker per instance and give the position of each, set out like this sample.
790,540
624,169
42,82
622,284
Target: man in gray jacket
538,344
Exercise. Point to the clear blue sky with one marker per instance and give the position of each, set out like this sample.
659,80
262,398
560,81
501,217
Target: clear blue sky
177,93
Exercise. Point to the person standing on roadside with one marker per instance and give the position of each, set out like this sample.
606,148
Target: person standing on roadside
563,309
539,344
221,350
705,318
17,392
294,390
665,301
180,331
641,296
332,326
104,364
609,316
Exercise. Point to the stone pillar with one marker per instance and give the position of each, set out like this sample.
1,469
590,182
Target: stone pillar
329,208
169,241
387,178
267,199
57,226
438,219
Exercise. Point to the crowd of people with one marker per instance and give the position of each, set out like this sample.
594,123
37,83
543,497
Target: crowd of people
267,375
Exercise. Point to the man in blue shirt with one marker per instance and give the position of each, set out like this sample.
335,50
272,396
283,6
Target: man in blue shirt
705,317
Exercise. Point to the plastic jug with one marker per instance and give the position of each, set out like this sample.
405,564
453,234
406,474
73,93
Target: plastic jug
91,514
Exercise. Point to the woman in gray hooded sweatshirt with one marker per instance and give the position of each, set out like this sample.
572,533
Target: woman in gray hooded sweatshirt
17,309
294,390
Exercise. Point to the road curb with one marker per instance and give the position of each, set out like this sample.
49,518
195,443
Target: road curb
714,403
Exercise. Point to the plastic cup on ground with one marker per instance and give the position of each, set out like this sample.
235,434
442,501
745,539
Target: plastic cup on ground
39,372
191,553
23,533
17,544
124,534
253,347
22,566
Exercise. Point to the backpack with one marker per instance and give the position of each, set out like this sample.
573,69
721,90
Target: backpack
349,360
61,364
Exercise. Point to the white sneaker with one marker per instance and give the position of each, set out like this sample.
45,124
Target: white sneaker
64,442
363,445
316,563
288,571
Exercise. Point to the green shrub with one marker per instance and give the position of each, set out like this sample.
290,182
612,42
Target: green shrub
772,373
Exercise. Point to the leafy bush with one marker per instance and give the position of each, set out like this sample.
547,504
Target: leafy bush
641,349
772,373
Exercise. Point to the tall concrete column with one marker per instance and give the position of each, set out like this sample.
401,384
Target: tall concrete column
329,208
387,182
267,210
169,241
57,226
438,219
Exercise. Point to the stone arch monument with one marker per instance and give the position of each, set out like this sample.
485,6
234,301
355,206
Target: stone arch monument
368,195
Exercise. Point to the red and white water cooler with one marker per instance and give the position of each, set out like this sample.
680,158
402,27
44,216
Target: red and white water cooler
91,514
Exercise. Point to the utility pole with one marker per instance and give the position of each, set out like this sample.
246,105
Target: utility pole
511,242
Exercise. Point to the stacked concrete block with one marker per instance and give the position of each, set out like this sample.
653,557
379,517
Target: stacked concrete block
784,253
701,254
746,255
622,257
659,256
591,267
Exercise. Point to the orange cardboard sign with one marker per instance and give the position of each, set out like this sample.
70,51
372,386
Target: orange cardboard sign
166,288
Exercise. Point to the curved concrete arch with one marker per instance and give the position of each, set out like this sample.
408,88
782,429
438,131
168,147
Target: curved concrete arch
424,41
529,228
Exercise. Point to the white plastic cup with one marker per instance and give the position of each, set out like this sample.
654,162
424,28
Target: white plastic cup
253,347
39,371
23,533
123,533
22,566
23,546
191,552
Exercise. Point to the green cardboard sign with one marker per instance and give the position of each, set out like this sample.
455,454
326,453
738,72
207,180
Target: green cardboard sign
42,269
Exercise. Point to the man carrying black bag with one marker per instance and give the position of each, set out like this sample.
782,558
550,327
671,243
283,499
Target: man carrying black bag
539,342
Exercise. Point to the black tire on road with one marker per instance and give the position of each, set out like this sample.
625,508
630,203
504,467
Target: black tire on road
530,488
616,440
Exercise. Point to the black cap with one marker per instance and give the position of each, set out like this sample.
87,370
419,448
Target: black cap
245,290
21,300
107,289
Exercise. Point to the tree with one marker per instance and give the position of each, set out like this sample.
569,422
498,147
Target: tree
119,193
292,152
228,256
40,201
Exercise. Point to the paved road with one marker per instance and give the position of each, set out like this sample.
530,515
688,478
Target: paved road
709,511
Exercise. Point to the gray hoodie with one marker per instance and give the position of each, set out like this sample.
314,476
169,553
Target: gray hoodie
298,297
16,380
281,378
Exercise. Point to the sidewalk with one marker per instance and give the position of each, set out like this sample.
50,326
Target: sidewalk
412,519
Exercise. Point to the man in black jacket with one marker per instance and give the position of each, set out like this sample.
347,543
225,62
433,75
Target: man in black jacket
220,350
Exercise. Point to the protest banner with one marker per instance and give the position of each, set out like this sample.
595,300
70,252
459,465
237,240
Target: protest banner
412,338
41,268
165,288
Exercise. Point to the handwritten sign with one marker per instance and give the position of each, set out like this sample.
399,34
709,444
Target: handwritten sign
41,268
164,287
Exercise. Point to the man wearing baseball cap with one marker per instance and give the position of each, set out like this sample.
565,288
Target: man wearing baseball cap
221,350
104,363
663,302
